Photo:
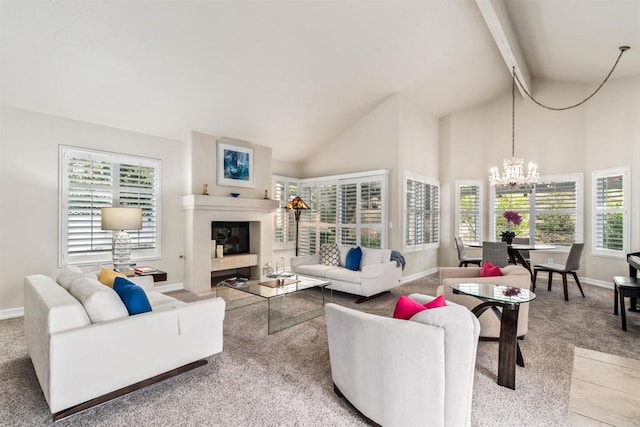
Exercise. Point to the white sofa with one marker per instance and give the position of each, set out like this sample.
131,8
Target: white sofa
416,372
377,273
79,363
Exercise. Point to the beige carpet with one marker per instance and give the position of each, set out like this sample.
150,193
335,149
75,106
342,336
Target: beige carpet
284,379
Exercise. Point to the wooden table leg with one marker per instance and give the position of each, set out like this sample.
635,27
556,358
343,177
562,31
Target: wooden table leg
507,352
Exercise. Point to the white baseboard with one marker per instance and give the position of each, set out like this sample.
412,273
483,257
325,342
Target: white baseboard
596,282
416,276
169,288
10,313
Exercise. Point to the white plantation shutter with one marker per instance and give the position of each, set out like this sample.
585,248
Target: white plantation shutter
556,213
346,209
284,189
91,180
551,212
469,211
611,222
422,212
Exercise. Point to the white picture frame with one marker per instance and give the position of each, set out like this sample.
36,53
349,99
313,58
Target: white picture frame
235,166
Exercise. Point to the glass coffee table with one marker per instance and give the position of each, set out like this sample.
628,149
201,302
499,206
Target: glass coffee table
282,313
509,299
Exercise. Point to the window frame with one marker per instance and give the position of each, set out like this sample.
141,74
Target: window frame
425,181
308,190
104,256
578,178
625,172
479,214
289,220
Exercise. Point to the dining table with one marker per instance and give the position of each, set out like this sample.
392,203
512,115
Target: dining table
514,251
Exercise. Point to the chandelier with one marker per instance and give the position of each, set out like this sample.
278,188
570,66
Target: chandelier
513,175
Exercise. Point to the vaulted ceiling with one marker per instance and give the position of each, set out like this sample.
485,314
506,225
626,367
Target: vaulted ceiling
292,75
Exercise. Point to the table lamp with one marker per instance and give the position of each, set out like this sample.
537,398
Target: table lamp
297,204
120,219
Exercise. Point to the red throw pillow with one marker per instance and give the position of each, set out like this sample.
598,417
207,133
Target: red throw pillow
406,308
490,270
436,303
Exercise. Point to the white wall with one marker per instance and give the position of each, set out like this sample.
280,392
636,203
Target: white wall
29,187
602,133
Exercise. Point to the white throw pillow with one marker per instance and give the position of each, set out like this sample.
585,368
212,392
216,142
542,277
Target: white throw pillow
67,275
101,302
370,256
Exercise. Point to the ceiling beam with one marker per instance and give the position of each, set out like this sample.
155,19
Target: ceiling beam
495,16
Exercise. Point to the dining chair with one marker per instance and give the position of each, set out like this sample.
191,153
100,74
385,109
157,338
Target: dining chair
571,266
523,241
496,253
462,255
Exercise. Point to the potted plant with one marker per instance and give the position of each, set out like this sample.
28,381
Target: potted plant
514,218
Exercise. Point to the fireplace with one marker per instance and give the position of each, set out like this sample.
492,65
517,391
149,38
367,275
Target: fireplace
201,212
234,237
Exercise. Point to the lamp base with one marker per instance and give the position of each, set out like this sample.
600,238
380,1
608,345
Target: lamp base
121,250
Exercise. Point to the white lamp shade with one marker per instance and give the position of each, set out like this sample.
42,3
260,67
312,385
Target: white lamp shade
121,218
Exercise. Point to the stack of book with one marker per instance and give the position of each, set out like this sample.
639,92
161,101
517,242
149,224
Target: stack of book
145,270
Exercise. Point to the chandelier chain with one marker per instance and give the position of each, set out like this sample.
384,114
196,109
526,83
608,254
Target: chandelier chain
623,49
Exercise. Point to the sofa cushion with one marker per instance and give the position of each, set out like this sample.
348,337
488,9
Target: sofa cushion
67,275
490,270
318,270
132,296
344,250
343,275
107,276
158,299
330,254
100,302
354,256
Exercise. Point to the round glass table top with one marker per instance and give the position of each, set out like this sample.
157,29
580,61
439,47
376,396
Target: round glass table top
490,292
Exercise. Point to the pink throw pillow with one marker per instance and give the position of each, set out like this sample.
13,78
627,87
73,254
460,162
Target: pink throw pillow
436,303
490,270
406,308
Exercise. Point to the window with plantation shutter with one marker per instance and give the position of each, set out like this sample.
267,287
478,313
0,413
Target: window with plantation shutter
91,180
422,212
610,212
469,211
284,189
345,209
551,212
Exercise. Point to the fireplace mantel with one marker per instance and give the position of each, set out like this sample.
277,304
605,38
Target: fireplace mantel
218,203
200,211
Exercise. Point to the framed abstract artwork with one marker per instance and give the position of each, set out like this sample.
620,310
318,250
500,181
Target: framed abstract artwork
235,166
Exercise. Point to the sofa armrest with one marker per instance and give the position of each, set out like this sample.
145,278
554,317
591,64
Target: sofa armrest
304,260
372,271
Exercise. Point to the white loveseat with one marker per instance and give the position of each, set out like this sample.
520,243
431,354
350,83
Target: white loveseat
80,363
377,273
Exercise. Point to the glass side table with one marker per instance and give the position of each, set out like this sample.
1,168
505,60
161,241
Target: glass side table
509,299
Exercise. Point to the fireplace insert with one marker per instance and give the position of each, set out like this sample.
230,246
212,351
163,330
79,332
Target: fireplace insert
232,236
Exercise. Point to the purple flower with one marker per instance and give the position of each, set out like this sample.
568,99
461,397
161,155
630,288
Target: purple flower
512,217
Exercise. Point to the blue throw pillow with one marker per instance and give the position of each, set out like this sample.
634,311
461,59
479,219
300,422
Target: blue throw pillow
132,296
353,258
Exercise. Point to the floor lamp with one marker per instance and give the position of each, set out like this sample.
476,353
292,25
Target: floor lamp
120,219
297,204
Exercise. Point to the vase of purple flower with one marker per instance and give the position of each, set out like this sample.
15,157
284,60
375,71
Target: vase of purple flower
512,217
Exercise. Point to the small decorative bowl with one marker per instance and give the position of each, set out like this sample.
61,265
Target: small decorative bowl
235,194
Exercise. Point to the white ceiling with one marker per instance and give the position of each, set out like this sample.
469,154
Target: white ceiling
285,74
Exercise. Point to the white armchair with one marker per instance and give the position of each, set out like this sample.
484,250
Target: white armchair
405,372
